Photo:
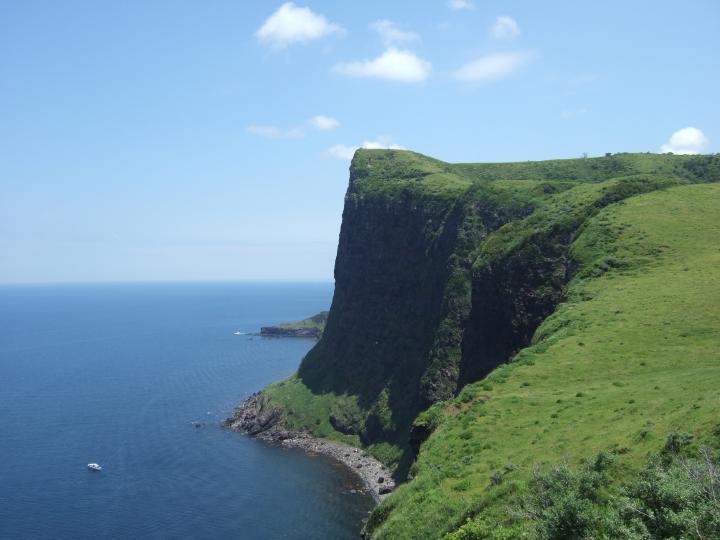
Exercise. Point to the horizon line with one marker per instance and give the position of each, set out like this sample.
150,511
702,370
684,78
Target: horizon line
170,282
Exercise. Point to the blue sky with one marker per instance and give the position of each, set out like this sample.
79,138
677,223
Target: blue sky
187,140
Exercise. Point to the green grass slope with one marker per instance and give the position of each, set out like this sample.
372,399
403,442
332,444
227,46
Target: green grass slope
316,322
632,354
443,272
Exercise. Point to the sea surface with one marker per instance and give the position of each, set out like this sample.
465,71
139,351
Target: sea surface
116,374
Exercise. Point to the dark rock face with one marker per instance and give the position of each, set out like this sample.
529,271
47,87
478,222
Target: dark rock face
418,435
345,425
255,416
510,298
403,297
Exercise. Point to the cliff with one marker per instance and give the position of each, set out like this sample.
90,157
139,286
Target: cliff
445,274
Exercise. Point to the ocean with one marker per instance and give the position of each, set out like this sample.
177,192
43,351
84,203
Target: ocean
117,374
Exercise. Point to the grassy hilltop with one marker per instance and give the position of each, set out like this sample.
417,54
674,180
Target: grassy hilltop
309,327
492,317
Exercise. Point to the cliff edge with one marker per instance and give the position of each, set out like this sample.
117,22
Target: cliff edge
451,280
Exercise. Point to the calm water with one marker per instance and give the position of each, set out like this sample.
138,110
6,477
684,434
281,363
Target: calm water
116,374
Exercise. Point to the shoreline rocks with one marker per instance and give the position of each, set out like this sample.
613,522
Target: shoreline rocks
257,418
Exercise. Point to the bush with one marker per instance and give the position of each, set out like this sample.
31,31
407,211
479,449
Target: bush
676,499
480,529
572,505
672,497
474,529
497,478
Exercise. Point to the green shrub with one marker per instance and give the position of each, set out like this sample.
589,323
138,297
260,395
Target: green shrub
676,499
673,497
481,529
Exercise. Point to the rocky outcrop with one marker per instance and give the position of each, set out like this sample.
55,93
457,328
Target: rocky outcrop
419,433
443,272
257,417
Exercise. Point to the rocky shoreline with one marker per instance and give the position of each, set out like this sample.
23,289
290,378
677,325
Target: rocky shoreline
255,417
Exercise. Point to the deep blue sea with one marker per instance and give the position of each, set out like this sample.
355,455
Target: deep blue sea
115,374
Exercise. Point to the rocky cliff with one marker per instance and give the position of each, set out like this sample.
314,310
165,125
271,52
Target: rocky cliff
443,273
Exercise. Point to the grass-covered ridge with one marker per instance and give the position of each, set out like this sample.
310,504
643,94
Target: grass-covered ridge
309,327
316,322
631,356
447,272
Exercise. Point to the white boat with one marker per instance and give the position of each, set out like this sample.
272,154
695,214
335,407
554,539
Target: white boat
237,333
94,467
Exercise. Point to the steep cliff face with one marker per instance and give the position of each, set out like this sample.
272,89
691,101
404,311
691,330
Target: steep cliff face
621,368
403,291
477,305
444,272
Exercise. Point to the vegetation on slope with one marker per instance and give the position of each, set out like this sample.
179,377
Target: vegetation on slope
310,327
630,356
594,276
675,495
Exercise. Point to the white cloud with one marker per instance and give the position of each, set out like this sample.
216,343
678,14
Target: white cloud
458,5
295,133
274,132
505,28
390,33
343,151
293,24
493,66
394,65
382,142
323,123
687,140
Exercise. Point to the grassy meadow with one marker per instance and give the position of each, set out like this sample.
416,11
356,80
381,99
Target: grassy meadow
630,357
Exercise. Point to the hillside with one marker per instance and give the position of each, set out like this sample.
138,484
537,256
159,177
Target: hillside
311,327
548,310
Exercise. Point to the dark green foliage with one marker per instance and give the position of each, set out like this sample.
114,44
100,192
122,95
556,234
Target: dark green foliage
676,443
702,168
564,504
479,529
675,498
431,418
672,497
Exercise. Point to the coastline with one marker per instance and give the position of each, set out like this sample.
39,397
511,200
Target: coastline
250,418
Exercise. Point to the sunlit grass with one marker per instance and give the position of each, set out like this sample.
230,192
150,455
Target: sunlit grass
631,356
